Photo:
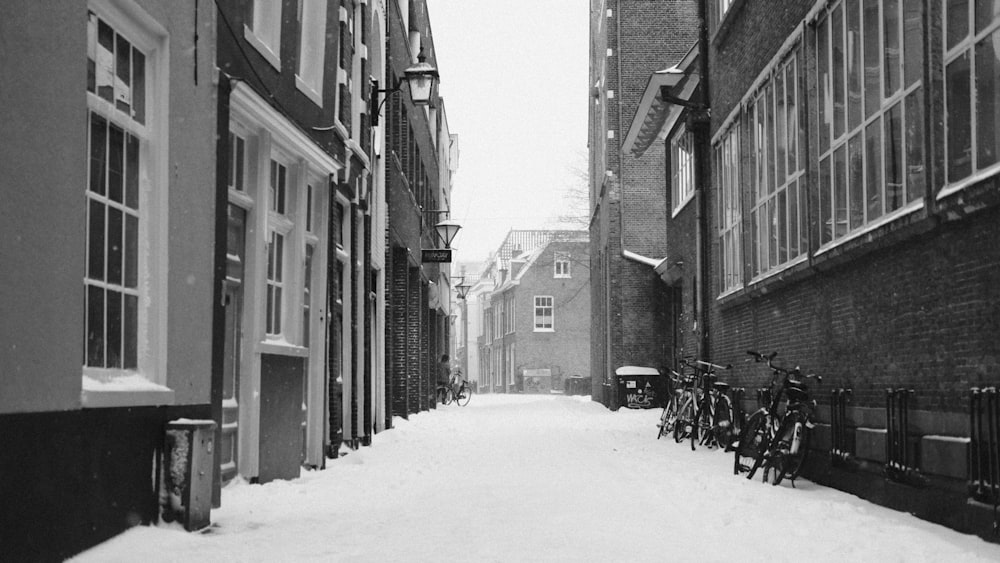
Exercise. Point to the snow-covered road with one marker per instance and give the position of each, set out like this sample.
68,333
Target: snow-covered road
541,478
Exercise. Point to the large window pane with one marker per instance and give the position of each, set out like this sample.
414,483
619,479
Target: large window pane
95,326
855,170
116,163
825,204
854,66
873,57
987,105
98,154
916,183
913,42
115,245
891,20
130,320
793,219
837,37
894,196
987,12
958,118
873,170
132,172
95,241
114,332
825,84
840,191
131,251
780,129
956,22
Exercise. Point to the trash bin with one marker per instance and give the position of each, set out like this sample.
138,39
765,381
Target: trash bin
641,387
577,385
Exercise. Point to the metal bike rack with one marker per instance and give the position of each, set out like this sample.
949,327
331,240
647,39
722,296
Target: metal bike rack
984,444
898,452
842,442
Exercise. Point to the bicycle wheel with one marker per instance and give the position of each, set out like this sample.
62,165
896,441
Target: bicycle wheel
464,396
789,464
752,443
685,418
778,453
723,427
701,428
667,418
448,397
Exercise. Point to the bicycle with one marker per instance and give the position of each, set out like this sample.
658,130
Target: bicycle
713,418
668,417
684,398
778,442
459,392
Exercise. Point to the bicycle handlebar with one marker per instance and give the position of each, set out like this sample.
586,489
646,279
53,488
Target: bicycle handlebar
714,366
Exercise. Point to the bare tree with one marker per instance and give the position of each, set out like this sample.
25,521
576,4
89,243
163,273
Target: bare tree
576,194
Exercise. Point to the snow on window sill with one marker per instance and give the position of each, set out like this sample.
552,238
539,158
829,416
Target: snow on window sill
131,390
282,348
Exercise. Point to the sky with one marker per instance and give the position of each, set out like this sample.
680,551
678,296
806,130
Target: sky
514,80
513,478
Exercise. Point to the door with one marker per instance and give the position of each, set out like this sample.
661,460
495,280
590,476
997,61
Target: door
233,300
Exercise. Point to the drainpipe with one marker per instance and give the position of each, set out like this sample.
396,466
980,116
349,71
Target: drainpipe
700,118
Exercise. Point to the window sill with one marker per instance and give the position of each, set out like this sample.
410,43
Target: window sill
970,181
280,348
262,48
545,330
676,211
124,392
308,91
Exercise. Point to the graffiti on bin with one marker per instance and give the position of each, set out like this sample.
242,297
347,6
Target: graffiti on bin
639,400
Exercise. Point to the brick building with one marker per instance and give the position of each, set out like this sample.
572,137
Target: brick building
536,321
853,211
418,164
629,303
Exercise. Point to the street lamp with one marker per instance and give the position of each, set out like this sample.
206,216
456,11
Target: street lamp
462,289
447,230
420,78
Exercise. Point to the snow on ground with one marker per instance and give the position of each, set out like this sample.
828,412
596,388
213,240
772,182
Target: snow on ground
540,478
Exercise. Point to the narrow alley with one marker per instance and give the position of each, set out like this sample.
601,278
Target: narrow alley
540,478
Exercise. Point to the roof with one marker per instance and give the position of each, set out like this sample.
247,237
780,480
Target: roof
655,117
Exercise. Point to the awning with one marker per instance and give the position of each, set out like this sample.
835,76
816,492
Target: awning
655,117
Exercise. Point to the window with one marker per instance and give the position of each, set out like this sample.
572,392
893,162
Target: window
124,149
279,228
972,87
681,169
870,138
263,29
543,313
777,218
237,162
727,163
312,49
562,261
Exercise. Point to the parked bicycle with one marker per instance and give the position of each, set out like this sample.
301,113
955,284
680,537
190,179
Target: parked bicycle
680,392
459,392
713,413
778,442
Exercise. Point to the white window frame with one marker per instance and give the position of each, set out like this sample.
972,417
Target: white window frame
856,200
263,31
279,224
312,49
730,216
543,303
966,47
146,383
681,169
561,266
778,225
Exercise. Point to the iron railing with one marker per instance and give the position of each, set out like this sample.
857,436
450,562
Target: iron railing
841,435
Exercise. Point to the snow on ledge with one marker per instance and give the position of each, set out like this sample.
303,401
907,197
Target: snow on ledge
124,390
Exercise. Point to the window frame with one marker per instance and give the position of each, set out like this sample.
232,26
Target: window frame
561,265
730,215
263,30
682,164
550,306
145,384
966,46
771,177
838,181
312,18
